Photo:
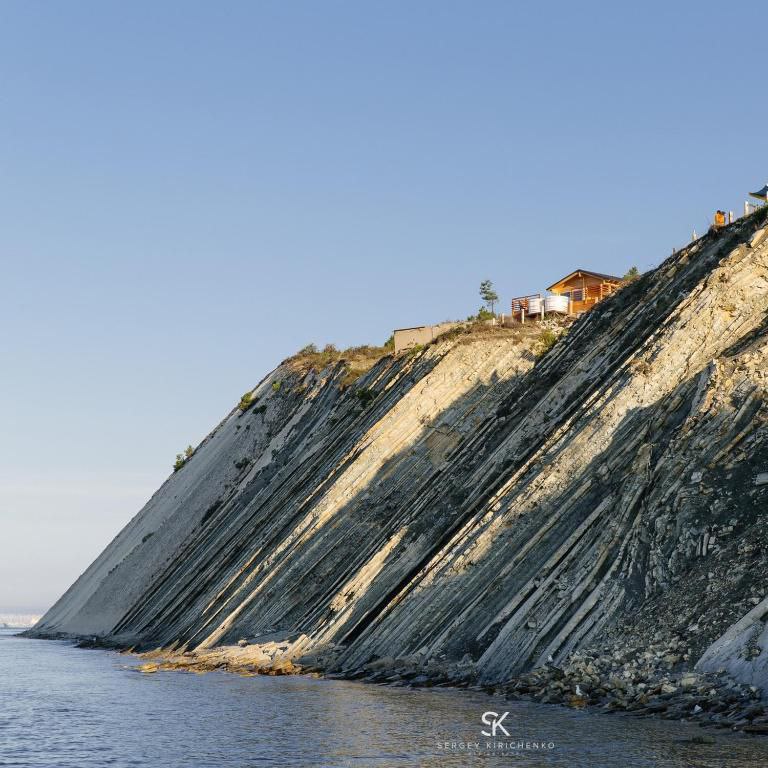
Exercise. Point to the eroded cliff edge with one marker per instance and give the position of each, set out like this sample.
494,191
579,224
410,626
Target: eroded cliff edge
477,511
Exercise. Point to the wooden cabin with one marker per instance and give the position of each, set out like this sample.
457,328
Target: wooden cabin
572,295
584,289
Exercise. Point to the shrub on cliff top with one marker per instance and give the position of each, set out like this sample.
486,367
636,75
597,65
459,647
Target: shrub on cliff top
357,360
482,315
632,274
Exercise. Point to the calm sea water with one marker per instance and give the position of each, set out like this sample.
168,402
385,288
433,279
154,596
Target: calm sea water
61,706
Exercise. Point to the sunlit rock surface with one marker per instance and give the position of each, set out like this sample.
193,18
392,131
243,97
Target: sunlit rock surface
475,504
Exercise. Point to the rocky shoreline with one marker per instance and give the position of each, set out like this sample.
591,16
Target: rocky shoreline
645,681
249,660
642,685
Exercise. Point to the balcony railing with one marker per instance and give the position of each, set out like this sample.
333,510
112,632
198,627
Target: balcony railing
523,303
579,300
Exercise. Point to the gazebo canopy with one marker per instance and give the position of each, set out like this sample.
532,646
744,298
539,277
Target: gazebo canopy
762,194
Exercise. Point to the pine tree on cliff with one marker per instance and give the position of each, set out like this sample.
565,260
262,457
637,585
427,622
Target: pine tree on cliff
487,294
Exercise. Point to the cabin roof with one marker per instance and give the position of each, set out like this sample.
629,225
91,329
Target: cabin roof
577,272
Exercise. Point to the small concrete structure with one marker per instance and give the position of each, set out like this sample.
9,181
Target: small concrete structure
407,338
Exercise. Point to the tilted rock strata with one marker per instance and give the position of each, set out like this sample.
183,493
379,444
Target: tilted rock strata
466,507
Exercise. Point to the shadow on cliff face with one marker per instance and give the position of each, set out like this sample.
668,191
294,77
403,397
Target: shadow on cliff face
548,571
269,556
627,322
555,569
528,569
270,560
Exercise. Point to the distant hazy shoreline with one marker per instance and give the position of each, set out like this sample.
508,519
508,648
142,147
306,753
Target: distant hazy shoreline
18,620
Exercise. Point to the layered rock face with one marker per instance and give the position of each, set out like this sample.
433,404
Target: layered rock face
477,504
295,504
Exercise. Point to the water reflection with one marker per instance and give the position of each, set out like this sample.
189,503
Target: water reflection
62,706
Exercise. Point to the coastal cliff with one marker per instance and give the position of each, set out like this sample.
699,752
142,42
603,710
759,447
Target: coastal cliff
486,511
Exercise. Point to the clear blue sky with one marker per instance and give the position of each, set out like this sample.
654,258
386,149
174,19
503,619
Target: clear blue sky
191,191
